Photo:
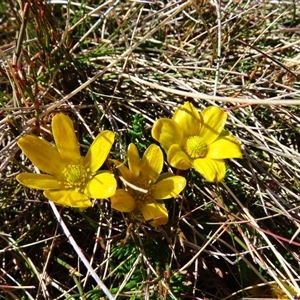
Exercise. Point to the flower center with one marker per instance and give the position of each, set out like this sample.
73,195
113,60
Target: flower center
142,192
75,176
195,147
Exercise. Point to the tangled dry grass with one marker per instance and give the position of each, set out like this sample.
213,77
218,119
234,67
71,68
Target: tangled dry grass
120,65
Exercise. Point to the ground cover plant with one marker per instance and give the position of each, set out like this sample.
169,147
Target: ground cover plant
94,84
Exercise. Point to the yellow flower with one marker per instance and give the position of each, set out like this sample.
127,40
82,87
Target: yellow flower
73,179
197,140
143,185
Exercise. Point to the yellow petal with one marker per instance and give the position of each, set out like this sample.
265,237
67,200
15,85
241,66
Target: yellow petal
152,163
211,169
213,123
65,138
167,132
122,201
39,181
156,213
71,198
42,154
188,119
101,186
134,160
125,172
99,150
164,175
178,158
169,187
224,147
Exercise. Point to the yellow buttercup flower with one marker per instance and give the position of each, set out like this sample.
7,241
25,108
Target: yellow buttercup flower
197,140
144,186
72,179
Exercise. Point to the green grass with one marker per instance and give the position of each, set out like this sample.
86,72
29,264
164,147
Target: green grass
122,67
